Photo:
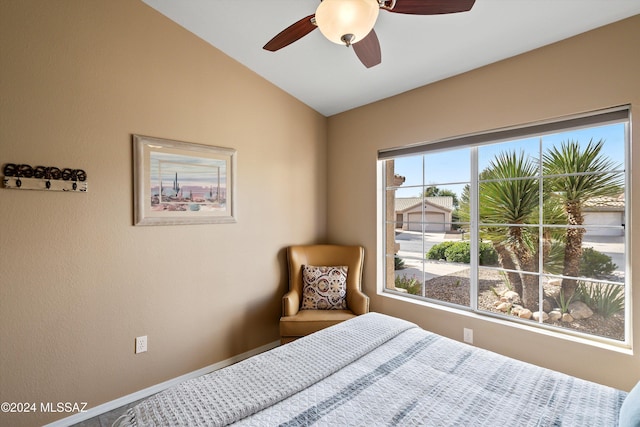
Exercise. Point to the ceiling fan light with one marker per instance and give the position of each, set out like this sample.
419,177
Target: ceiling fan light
337,19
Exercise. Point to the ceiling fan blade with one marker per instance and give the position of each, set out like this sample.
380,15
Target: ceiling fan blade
368,50
291,34
428,7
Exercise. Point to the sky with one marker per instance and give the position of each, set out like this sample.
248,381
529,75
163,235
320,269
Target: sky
451,169
191,170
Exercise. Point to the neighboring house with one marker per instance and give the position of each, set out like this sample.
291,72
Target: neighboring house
604,211
437,213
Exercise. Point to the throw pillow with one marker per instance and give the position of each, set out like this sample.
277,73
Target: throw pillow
630,410
324,288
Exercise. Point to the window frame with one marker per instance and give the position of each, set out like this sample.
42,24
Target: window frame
619,114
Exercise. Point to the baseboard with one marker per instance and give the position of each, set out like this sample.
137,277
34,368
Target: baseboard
141,394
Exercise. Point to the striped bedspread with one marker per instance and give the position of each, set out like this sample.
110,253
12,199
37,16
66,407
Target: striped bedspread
377,370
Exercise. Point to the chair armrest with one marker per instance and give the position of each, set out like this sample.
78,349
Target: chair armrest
290,303
358,302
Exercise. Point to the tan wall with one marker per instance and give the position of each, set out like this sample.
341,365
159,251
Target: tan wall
77,280
591,71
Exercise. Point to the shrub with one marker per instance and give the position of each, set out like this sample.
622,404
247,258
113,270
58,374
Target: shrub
411,284
458,252
398,263
604,298
461,252
488,255
595,264
437,251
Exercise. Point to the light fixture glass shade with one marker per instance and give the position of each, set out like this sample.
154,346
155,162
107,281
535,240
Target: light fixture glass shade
337,18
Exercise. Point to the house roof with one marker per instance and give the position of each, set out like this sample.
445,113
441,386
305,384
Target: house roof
405,203
593,204
605,203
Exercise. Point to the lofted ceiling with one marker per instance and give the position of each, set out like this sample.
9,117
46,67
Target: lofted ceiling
416,50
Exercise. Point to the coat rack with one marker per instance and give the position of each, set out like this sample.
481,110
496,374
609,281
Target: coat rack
46,178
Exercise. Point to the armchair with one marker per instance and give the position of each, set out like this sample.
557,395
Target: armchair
297,322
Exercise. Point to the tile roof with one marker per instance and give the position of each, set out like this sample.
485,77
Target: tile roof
608,202
404,203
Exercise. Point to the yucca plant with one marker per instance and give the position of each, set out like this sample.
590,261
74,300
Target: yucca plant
509,194
564,302
604,298
411,284
578,175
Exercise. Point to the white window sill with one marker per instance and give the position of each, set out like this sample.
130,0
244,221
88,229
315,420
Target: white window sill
575,337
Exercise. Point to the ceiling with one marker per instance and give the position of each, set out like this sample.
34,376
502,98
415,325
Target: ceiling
416,50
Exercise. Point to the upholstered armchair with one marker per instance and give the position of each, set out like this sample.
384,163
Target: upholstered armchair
299,315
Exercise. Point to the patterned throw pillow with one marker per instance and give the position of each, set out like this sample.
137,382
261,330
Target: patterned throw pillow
324,288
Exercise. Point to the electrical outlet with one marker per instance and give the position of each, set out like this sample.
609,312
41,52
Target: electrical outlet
468,336
141,344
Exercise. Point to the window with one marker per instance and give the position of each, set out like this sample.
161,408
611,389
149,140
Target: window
525,224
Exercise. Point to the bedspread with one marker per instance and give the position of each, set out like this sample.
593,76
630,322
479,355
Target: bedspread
379,370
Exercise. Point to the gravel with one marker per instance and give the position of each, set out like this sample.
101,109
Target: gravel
454,288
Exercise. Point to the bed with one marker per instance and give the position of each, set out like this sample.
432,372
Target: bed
377,370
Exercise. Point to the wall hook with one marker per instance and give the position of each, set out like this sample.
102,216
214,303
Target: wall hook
26,177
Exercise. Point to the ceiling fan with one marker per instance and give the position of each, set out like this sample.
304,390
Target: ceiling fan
350,23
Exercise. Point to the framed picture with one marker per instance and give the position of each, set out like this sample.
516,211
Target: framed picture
182,183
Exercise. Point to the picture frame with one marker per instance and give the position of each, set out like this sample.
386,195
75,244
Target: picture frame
178,182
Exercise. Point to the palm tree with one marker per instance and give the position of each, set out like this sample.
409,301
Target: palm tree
509,194
576,175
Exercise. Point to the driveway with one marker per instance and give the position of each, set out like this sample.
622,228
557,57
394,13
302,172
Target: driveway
414,245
